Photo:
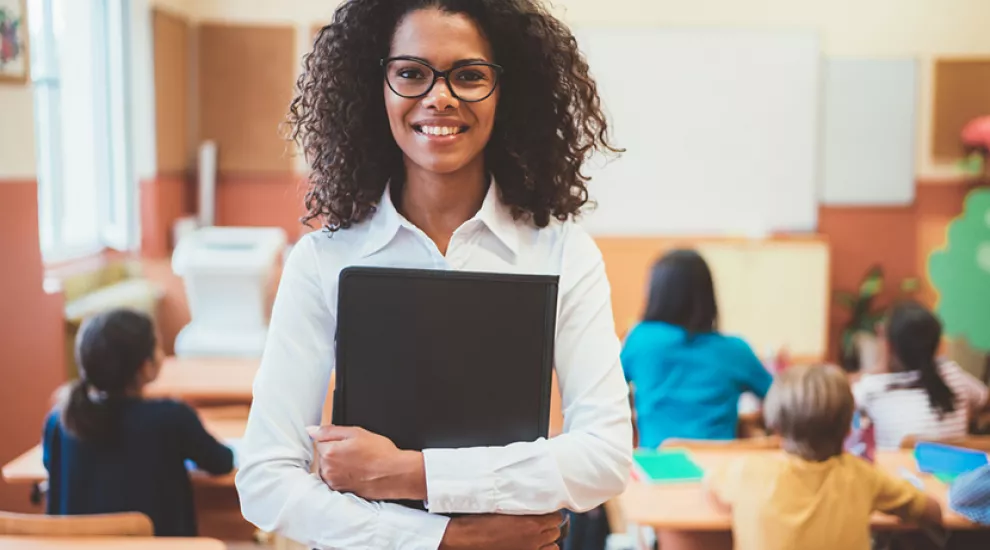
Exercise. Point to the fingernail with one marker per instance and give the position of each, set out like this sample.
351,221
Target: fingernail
312,430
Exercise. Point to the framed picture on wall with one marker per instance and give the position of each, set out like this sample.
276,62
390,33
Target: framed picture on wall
14,64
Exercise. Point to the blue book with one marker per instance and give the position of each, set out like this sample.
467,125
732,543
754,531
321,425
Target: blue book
946,461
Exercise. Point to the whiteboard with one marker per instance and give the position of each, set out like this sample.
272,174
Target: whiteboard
773,294
720,127
869,131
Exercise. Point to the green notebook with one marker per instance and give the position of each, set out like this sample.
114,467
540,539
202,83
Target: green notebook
666,466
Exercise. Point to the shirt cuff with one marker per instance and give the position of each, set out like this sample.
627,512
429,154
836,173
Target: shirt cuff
459,481
401,527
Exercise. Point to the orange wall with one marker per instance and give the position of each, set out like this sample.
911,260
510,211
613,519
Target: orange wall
163,201
31,365
272,200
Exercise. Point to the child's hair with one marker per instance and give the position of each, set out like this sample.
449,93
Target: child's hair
682,292
913,335
111,348
811,407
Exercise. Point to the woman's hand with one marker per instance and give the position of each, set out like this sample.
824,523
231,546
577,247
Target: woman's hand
354,460
494,532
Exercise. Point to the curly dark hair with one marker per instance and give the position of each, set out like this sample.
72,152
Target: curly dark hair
548,122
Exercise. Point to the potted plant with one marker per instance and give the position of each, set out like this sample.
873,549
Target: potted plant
857,343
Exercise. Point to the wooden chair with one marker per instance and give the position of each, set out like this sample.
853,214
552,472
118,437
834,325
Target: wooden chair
128,524
753,443
224,412
975,442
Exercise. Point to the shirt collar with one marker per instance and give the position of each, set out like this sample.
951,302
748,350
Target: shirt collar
497,217
387,220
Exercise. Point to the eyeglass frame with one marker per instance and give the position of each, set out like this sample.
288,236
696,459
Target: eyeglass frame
445,75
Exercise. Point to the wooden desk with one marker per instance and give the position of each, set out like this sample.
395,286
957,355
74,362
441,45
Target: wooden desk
30,468
686,507
206,380
108,543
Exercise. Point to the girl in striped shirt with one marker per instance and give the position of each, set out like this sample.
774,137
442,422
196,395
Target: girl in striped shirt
913,393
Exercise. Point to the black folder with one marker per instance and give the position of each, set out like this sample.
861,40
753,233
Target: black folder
445,359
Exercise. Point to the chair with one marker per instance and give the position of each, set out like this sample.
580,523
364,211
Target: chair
128,524
750,444
975,442
224,412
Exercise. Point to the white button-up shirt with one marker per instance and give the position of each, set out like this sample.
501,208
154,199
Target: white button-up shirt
578,470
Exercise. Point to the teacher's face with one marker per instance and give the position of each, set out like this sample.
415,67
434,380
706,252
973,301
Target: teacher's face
438,132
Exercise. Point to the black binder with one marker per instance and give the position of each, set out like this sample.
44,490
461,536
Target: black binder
445,359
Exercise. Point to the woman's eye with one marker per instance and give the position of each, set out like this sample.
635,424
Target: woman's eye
409,73
471,75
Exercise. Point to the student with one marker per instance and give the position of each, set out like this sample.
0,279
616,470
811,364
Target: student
687,377
813,496
107,449
969,495
914,393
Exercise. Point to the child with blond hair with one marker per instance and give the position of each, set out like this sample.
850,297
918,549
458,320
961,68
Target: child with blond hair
813,495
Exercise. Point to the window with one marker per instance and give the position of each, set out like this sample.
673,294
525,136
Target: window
86,179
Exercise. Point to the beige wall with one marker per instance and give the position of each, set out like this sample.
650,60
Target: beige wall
865,28
16,133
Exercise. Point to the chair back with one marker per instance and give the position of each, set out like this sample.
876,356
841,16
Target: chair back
748,444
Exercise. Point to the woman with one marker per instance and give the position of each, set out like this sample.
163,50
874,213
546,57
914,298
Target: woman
442,134
687,376
912,392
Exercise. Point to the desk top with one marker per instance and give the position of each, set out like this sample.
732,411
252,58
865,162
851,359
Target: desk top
30,467
686,507
108,543
197,380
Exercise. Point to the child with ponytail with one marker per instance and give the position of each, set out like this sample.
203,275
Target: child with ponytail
913,393
107,449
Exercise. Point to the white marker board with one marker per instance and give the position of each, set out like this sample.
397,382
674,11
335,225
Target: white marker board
870,122
721,129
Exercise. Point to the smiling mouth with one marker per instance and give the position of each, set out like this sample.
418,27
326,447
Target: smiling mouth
438,131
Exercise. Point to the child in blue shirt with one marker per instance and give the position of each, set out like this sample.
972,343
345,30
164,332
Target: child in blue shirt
107,449
687,377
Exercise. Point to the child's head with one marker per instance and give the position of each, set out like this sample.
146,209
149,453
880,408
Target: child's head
911,337
117,353
811,407
682,292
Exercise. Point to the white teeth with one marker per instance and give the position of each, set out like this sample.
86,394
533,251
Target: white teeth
439,130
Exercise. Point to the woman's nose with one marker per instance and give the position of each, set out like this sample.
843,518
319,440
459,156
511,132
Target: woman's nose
440,97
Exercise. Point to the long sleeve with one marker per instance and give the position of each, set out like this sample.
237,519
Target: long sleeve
200,446
970,495
755,377
590,462
278,492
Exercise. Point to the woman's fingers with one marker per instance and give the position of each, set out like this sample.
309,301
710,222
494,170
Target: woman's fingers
329,432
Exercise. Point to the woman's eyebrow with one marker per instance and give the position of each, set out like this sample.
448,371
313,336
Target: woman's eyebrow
469,61
458,63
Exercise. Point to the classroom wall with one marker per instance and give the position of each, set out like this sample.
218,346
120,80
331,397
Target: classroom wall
899,238
31,360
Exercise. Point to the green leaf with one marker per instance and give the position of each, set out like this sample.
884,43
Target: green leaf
872,284
911,285
844,298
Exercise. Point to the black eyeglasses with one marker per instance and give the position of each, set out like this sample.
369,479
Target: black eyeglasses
412,78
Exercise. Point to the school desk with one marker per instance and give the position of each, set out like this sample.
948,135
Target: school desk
30,468
108,543
205,380
685,517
